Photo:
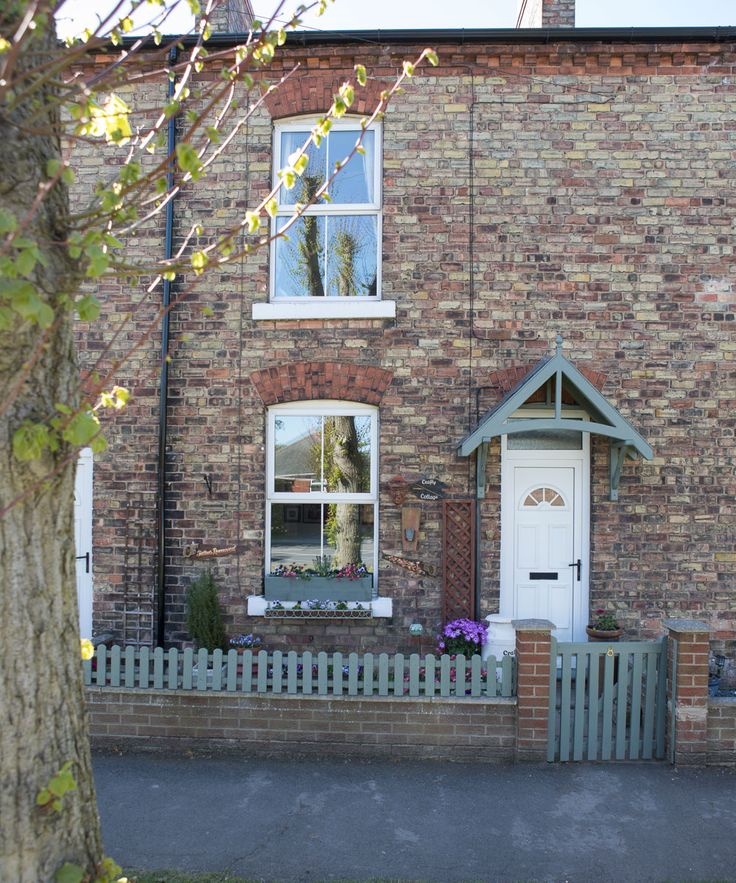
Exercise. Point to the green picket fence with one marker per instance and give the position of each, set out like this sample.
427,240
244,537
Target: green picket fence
306,674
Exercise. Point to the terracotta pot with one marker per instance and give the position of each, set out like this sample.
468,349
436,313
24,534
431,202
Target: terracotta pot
601,635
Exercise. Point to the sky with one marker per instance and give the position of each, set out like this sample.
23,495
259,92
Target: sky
389,14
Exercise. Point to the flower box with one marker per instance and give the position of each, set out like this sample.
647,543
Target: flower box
319,588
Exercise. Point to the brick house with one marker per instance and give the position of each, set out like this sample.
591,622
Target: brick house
524,290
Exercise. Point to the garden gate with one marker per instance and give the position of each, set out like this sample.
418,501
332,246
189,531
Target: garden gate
607,701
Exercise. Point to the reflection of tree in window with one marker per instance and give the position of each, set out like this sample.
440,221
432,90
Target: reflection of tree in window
309,246
346,250
346,469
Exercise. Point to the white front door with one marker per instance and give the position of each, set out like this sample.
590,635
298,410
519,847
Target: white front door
83,540
543,537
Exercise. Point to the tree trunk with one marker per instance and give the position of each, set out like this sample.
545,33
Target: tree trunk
41,687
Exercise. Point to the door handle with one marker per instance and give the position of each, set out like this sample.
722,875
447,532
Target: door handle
86,561
577,564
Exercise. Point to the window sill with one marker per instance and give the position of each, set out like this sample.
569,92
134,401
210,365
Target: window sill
380,608
329,308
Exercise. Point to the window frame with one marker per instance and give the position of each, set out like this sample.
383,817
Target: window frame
365,209
321,408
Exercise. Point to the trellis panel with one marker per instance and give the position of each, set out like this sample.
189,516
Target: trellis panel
458,559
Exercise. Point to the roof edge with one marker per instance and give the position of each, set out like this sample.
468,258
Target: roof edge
710,34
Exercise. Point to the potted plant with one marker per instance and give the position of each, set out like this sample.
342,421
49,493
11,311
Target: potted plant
462,636
241,643
604,626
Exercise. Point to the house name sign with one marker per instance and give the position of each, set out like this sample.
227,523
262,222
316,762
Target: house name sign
428,489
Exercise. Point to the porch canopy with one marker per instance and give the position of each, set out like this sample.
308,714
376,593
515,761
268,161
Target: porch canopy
558,380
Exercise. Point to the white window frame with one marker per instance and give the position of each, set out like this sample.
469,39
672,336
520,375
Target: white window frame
321,408
307,306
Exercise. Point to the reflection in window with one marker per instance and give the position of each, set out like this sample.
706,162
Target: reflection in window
322,496
324,256
332,250
303,532
328,454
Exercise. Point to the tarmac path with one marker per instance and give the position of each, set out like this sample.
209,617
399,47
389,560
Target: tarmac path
312,820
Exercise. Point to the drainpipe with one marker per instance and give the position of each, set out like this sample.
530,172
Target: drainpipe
164,381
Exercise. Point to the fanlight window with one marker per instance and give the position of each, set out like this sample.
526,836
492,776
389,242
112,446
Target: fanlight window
545,497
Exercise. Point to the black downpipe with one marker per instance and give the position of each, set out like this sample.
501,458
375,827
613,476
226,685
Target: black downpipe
163,401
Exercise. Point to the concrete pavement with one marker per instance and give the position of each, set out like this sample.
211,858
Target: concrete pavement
312,820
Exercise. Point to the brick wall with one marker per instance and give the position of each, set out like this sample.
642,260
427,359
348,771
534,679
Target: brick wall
601,208
289,726
546,14
722,731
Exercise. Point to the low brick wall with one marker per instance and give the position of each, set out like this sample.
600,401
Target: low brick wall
722,731
283,725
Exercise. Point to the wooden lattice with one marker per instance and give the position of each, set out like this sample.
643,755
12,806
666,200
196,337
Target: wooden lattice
458,559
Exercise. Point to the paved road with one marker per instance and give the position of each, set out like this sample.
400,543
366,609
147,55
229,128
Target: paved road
357,820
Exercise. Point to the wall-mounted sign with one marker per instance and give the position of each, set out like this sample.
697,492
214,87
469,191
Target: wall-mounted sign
428,488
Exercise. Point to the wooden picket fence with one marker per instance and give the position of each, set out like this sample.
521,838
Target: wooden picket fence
306,674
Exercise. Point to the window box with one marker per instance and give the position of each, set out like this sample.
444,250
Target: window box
319,588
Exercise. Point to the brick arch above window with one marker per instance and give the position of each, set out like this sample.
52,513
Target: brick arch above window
314,94
303,381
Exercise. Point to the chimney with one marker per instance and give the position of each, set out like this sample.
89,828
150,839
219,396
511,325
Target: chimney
546,14
231,17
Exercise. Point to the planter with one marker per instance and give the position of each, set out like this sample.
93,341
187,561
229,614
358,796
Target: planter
604,636
318,588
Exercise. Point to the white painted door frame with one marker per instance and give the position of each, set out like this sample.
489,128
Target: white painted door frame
83,499
580,461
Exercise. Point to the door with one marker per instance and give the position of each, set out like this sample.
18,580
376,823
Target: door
83,540
544,536
544,546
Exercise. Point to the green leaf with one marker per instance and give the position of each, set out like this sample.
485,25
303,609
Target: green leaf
253,221
69,873
199,262
8,221
169,275
88,308
53,167
360,74
188,160
207,311
432,57
408,69
30,440
271,207
81,429
6,318
98,444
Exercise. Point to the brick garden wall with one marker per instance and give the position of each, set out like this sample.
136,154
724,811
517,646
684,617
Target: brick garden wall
290,726
722,731
601,207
